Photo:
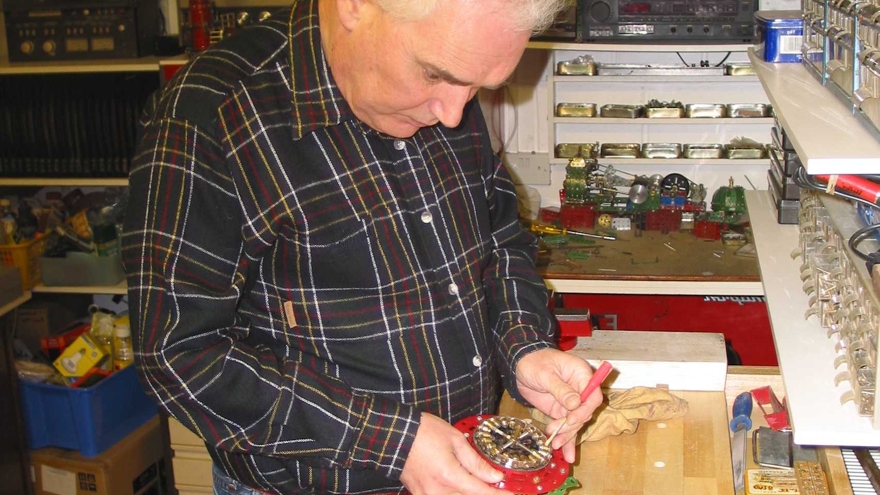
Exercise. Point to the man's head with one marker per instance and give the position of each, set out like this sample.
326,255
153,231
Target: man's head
407,64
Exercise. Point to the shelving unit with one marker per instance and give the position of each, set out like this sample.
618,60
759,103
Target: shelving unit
120,288
144,64
634,47
806,354
826,135
63,181
664,122
672,162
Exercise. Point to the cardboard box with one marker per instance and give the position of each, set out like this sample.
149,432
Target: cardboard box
79,357
134,466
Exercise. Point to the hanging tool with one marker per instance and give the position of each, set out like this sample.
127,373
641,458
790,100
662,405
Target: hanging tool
543,228
740,425
598,377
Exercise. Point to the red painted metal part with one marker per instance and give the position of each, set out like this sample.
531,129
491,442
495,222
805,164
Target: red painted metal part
543,480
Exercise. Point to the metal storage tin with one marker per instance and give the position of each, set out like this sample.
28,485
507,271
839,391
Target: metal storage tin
576,67
739,69
657,70
615,111
780,35
705,110
744,152
575,109
571,150
703,150
747,110
661,150
621,150
664,112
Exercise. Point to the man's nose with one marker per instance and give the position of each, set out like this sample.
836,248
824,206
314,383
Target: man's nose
448,106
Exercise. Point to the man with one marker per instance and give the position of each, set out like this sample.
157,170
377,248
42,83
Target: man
324,261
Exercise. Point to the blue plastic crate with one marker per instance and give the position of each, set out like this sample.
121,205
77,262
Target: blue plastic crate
89,419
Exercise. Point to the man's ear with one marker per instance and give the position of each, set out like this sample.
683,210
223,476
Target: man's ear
352,11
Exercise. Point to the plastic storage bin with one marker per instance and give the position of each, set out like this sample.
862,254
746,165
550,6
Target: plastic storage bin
779,34
82,269
24,257
90,419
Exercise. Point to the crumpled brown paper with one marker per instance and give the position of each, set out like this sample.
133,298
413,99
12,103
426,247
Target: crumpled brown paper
624,409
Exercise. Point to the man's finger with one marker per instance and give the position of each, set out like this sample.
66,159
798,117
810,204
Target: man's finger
476,465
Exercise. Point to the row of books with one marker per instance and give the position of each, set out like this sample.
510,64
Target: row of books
76,125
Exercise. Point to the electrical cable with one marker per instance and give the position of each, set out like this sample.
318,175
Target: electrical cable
506,145
802,179
682,59
854,239
723,60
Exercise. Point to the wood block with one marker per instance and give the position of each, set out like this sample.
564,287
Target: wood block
679,360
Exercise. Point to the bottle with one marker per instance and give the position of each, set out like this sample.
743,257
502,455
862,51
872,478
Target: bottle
8,222
123,352
101,332
27,223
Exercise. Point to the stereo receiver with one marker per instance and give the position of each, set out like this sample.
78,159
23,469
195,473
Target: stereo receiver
667,21
46,30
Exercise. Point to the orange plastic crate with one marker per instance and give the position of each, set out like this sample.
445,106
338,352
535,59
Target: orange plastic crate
25,257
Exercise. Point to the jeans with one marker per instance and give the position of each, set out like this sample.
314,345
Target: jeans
224,485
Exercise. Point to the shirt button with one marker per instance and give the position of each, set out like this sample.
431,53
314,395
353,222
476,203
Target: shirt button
453,289
477,361
399,145
427,217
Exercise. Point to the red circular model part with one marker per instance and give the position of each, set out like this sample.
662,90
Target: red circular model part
543,480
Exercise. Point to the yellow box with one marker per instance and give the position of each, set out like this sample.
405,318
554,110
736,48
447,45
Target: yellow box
79,357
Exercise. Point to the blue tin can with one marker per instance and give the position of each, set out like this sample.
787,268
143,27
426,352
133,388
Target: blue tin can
779,35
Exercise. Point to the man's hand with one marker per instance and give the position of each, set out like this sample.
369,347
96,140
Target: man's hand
552,381
442,461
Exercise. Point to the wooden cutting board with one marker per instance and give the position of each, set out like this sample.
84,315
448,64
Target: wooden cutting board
686,456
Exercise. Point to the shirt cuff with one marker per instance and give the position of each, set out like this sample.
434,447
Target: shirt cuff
386,436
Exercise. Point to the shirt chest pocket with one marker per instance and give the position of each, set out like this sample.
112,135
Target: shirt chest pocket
332,258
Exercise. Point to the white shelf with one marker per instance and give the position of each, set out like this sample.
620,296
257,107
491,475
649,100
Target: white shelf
683,288
618,162
806,355
635,47
685,78
828,138
144,64
120,288
23,298
63,181
647,121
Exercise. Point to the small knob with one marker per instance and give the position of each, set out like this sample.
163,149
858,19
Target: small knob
27,47
673,29
600,11
49,47
243,19
706,29
690,29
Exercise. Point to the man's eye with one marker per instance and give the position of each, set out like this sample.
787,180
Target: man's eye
432,76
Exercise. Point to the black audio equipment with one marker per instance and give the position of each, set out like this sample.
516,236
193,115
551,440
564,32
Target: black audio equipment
45,30
564,27
71,125
667,21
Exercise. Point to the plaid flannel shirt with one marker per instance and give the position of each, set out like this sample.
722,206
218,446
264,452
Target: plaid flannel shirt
302,286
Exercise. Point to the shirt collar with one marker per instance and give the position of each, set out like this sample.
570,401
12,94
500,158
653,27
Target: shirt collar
316,100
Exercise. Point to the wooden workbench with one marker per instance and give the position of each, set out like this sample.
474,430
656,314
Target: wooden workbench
651,256
694,450
686,456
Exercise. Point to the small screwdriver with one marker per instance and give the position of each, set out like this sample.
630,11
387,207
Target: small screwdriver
598,377
543,228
